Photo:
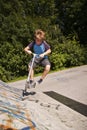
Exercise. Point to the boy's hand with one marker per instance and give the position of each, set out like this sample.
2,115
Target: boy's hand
29,52
42,55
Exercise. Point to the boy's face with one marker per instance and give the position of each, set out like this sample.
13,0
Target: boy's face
39,38
38,41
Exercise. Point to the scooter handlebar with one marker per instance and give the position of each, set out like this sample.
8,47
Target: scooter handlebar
35,55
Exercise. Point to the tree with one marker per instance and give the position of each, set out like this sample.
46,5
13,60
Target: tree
72,18
59,19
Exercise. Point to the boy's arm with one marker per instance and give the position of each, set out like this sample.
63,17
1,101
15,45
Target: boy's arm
47,49
46,53
27,50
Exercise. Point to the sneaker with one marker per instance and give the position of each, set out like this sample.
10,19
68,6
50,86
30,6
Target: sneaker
36,83
33,84
40,81
31,81
30,84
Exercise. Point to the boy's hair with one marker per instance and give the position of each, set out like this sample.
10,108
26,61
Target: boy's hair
39,34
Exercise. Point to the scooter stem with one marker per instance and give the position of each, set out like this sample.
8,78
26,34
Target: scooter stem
28,79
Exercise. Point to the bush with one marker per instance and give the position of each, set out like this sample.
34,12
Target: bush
67,54
13,61
57,60
5,75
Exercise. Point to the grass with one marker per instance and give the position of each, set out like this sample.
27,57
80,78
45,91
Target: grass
25,77
39,74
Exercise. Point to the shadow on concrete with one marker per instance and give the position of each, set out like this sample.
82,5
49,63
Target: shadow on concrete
77,106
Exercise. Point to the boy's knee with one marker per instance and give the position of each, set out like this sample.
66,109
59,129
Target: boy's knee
47,68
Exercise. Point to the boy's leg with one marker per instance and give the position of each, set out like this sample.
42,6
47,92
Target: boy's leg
46,71
47,65
32,75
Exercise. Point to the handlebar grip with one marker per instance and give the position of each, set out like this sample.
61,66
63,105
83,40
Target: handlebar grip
36,55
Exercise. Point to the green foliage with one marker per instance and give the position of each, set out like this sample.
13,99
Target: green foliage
72,18
13,61
59,19
4,75
57,60
67,54
75,55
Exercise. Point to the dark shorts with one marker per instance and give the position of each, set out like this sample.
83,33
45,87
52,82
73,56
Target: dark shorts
42,62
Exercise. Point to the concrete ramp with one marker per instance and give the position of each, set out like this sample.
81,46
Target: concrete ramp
59,103
13,114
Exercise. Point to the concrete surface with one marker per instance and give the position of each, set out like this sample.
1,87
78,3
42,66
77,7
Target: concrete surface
66,109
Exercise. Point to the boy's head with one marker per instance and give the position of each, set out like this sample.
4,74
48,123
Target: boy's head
39,34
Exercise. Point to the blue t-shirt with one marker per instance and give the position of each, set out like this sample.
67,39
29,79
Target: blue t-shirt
39,49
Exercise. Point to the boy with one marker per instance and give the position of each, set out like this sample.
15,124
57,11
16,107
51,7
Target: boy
41,47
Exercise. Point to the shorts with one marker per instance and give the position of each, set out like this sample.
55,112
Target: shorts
42,62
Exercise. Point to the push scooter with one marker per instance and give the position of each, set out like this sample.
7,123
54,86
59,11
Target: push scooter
28,84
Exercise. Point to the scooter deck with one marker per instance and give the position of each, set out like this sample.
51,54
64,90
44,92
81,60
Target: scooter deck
26,95
28,86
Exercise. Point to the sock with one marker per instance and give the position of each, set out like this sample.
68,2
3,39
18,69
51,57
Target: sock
40,80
